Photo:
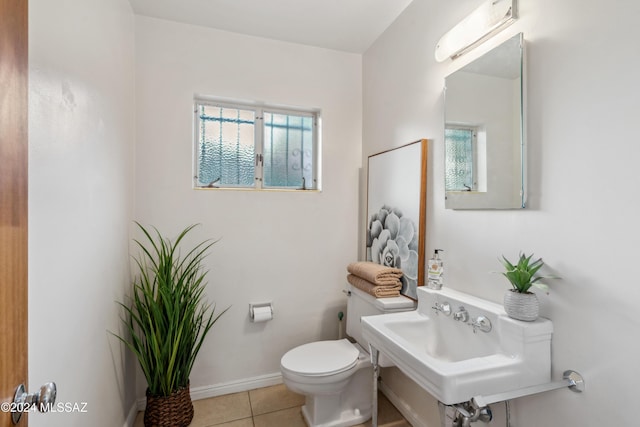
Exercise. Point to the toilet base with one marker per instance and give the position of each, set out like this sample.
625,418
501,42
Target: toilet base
347,418
352,406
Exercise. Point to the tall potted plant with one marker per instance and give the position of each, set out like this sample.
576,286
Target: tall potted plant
166,322
519,302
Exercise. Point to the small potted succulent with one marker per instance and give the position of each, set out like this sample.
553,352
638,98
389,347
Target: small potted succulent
519,302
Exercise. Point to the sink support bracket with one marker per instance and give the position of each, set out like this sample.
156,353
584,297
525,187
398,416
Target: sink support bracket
374,352
571,379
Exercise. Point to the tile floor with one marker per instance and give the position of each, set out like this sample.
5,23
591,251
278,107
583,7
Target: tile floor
272,406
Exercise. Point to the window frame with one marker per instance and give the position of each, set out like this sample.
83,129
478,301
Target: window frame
259,110
474,153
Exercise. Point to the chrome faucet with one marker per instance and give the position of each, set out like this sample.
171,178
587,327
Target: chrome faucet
482,323
462,315
444,308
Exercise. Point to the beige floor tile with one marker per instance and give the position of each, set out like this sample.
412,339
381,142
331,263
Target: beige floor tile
291,417
399,423
234,410
388,415
221,409
246,422
275,398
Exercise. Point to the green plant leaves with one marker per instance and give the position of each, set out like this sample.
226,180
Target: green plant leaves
521,275
167,318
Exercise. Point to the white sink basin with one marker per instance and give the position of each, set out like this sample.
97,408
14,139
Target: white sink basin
453,362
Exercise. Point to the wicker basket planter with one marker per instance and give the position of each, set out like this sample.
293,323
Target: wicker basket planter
175,410
521,306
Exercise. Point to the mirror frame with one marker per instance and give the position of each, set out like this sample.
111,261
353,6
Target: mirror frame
396,212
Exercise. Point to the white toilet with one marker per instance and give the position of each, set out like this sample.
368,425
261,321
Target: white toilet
336,376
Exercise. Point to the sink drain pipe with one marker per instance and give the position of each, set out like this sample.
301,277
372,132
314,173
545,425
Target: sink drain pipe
466,413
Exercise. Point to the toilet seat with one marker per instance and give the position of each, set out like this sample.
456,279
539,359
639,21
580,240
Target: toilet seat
321,358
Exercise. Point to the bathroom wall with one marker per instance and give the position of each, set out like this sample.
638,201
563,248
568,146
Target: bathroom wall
290,248
583,100
81,132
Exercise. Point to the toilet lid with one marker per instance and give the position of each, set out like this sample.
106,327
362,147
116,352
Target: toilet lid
321,358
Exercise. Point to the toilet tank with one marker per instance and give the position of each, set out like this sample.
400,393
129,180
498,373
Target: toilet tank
360,303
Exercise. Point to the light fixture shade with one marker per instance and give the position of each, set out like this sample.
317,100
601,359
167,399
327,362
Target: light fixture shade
491,17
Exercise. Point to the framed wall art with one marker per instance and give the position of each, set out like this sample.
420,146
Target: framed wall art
396,211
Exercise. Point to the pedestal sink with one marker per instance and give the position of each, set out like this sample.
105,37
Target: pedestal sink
457,346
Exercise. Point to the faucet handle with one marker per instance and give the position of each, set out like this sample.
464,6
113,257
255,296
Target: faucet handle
444,308
482,323
462,315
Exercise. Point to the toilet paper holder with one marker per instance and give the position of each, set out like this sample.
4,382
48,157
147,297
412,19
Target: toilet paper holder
260,308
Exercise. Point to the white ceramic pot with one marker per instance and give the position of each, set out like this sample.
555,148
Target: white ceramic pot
521,306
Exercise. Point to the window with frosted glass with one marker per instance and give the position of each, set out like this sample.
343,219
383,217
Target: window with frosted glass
226,147
248,146
288,150
459,168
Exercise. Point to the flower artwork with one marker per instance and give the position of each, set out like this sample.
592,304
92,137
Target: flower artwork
396,206
392,240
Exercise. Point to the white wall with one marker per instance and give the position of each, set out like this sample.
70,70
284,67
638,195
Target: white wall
291,248
81,130
583,103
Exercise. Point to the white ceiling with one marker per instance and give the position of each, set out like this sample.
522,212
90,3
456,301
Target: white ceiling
347,25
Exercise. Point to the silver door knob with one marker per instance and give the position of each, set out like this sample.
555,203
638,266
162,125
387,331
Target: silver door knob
23,401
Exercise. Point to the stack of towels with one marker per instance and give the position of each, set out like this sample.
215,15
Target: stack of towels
375,279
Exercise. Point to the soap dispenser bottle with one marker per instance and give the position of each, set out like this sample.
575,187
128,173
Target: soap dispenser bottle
436,271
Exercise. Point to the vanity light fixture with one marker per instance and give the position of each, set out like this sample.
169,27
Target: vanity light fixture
487,20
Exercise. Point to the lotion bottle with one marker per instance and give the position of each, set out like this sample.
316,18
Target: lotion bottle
435,273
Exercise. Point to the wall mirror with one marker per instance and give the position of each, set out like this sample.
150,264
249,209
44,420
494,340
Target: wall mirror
484,122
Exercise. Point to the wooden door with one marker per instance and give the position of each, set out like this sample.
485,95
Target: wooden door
13,201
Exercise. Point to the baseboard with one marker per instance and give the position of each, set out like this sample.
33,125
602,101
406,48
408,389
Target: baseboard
245,384
401,405
131,418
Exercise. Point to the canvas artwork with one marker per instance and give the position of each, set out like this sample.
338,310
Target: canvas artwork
396,210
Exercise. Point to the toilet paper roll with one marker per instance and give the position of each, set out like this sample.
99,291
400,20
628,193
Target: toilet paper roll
262,314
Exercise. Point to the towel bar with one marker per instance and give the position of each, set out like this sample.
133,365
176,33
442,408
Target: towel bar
571,379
